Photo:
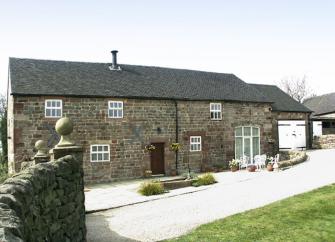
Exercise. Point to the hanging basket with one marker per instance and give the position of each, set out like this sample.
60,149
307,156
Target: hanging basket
175,146
149,147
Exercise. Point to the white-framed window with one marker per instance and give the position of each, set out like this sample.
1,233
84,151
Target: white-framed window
100,153
195,143
247,142
216,111
53,108
115,109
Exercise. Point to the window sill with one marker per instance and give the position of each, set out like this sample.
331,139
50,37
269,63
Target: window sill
99,162
53,117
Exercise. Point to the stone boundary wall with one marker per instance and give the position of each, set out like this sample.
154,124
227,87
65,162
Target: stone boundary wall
45,202
324,142
290,158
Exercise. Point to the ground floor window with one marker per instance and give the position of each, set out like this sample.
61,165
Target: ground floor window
100,153
195,143
247,142
328,124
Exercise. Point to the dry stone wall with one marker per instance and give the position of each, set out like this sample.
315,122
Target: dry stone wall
45,202
324,142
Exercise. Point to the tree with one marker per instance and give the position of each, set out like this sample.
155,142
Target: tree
297,88
3,128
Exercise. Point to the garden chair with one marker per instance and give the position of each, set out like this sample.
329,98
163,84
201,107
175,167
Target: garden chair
263,160
244,162
258,162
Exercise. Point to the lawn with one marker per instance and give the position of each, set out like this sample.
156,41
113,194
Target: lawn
305,217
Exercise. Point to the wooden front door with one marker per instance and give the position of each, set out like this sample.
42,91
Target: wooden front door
157,159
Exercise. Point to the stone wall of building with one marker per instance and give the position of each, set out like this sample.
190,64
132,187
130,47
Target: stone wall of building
45,202
144,122
276,116
218,136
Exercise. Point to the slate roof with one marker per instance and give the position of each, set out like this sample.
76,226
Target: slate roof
48,77
321,104
281,100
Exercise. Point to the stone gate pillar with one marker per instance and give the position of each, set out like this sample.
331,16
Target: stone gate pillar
64,128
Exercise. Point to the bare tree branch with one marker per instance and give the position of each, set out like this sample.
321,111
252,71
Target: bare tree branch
297,88
3,105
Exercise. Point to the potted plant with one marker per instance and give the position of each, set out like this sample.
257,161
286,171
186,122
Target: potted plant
147,173
233,164
269,163
251,168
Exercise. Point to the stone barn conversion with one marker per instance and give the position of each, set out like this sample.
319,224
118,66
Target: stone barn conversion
323,119
323,115
127,117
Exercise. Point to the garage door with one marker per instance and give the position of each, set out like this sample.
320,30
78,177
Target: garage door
292,134
317,128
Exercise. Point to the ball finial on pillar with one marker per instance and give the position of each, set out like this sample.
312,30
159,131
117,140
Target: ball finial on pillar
64,128
41,147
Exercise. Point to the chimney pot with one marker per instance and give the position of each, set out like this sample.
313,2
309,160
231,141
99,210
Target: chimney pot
115,66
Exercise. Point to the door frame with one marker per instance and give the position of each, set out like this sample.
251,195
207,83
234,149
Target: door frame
163,156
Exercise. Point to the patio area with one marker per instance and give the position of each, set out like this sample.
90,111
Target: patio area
99,197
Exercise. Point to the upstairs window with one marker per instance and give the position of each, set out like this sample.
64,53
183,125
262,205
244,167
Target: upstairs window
215,109
100,153
115,109
53,108
195,143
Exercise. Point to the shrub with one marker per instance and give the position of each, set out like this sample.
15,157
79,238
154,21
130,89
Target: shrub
151,188
299,157
204,180
190,175
3,172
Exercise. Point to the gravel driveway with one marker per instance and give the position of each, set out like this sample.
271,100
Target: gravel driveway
174,216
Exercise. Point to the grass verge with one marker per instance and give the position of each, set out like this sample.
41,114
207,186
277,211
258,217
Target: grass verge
305,217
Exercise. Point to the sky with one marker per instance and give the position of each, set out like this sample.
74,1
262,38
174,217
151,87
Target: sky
259,41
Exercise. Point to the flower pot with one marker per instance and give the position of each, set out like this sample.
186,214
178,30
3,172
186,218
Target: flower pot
252,168
269,167
147,173
234,168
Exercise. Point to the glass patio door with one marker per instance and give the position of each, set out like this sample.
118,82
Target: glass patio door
247,146
247,142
